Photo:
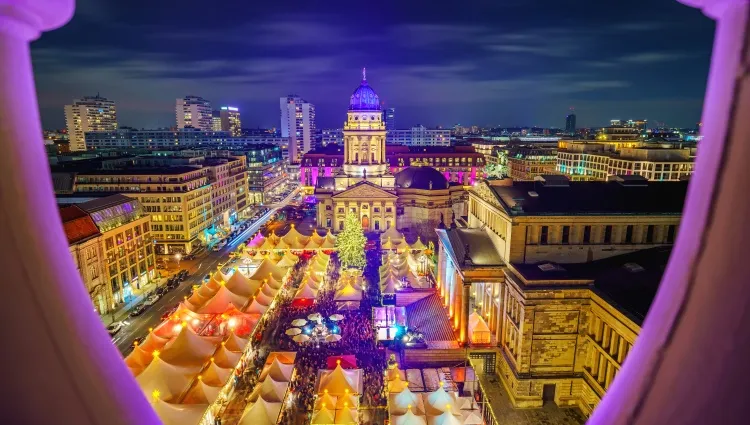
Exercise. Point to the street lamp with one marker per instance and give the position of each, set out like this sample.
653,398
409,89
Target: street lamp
178,257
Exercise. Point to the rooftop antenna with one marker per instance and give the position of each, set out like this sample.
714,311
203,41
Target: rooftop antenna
364,74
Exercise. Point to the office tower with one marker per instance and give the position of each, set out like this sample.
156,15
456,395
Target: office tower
216,121
230,120
389,117
570,123
193,111
90,113
297,125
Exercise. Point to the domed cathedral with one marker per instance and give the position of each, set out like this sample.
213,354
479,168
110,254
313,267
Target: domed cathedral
366,187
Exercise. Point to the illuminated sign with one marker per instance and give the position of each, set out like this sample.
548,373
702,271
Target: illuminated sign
229,108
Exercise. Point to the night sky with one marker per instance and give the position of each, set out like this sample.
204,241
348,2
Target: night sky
500,62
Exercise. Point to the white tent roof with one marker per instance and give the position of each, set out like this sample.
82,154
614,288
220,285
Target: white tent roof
446,418
225,358
305,292
241,285
397,385
323,417
277,371
188,349
348,293
327,399
293,235
267,267
350,400
260,413
268,291
272,282
313,244
270,391
471,418
437,401
328,244
234,342
399,402
256,308
167,380
408,418
392,233
201,393
221,301
346,416
317,238
263,299
268,244
282,245
214,375
339,380
418,245
259,256
179,414
286,261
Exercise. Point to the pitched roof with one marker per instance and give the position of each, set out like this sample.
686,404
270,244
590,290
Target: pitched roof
591,198
78,225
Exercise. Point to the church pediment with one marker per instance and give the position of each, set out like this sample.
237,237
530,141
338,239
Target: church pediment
365,190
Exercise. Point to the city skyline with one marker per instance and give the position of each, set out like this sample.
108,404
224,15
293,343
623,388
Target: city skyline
438,66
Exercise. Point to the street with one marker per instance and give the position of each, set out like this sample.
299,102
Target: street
138,326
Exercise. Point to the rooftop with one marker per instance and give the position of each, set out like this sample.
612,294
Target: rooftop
591,198
104,203
78,225
144,171
482,251
628,282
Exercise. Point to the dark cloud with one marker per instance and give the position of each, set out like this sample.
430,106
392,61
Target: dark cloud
482,62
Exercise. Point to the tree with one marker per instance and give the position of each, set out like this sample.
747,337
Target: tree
351,243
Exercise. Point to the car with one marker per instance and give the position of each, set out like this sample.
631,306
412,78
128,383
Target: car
151,300
115,327
139,340
160,291
168,313
183,273
137,310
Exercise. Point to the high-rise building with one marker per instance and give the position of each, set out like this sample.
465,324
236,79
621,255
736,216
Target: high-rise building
570,123
194,111
389,117
216,121
230,120
420,136
297,125
90,113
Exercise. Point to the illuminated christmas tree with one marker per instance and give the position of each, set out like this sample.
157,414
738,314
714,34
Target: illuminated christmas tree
351,243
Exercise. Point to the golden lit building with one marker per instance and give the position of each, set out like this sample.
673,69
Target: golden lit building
365,185
229,188
584,160
532,264
84,240
178,199
126,244
528,163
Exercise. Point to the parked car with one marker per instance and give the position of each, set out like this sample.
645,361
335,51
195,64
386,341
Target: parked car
216,248
115,327
139,340
138,310
151,300
168,313
183,274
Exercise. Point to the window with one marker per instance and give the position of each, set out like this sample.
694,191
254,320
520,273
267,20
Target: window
388,209
670,233
328,208
341,210
629,234
566,234
377,225
650,234
607,234
586,234
341,225
376,209
543,235
328,223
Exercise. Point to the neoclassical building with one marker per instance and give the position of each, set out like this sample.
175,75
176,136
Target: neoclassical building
562,273
365,185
